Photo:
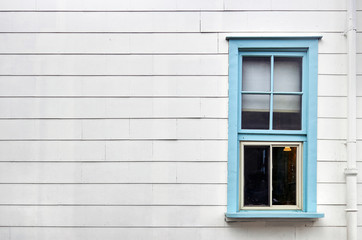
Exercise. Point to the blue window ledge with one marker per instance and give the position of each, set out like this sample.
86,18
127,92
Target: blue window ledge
274,214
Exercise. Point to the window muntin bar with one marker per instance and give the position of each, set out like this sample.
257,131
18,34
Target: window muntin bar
280,85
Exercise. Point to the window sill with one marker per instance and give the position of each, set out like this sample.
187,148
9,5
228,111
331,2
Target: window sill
254,215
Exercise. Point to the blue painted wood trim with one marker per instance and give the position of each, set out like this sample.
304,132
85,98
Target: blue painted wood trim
317,37
233,166
274,214
308,45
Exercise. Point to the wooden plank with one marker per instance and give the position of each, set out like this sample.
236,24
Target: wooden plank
100,129
317,233
245,231
277,21
113,65
102,43
100,22
113,172
285,5
331,172
116,86
113,107
332,150
332,107
332,129
332,85
172,5
326,194
60,150
330,42
137,216
114,194
118,216
112,5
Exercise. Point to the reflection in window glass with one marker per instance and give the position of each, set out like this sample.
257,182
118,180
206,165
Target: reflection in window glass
287,112
256,176
284,175
255,111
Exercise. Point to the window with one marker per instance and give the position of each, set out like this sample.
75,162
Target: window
272,128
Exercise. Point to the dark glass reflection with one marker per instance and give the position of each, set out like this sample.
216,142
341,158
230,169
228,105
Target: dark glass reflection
287,112
255,111
256,176
284,175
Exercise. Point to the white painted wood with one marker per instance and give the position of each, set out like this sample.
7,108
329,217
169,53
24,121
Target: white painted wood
202,129
359,61
248,231
112,216
334,216
277,21
332,128
195,216
109,43
114,194
113,172
329,150
105,129
111,5
114,129
332,64
359,86
317,233
359,149
40,129
285,5
332,107
331,172
113,107
113,65
332,85
359,39
202,173
90,22
359,129
114,86
359,107
330,42
327,194
171,64
166,150
57,150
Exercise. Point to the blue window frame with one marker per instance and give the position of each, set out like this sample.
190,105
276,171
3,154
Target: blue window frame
302,134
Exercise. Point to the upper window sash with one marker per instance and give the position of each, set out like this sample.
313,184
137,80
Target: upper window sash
304,91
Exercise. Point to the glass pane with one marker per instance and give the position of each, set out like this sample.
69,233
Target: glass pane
256,176
255,111
284,175
287,74
256,74
287,112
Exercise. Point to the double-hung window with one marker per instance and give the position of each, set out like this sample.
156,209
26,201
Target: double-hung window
272,128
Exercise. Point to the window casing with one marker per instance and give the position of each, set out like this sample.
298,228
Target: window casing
272,108
281,171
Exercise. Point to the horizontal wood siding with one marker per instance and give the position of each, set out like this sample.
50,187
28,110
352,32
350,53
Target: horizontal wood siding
113,117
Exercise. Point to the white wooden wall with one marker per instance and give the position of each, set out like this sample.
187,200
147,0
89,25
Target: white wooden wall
113,117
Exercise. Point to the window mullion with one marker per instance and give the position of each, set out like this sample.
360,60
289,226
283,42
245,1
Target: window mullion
271,92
